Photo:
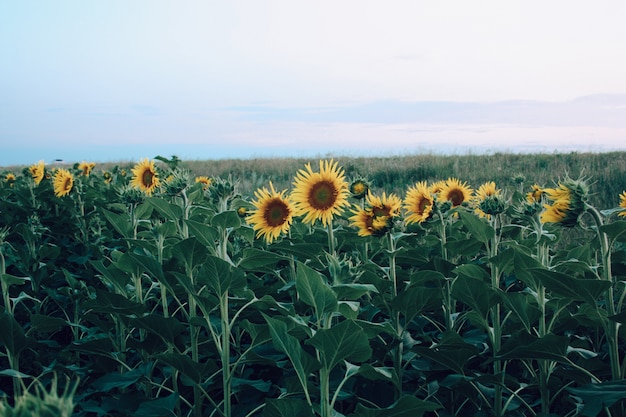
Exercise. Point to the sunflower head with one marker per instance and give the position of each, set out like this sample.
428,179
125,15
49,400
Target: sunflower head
63,182
377,218
535,193
359,188
9,179
37,171
567,200
145,176
622,204
272,215
176,182
322,194
418,203
85,167
204,180
488,200
108,177
456,192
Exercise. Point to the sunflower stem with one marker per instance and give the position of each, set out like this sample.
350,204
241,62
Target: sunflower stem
331,238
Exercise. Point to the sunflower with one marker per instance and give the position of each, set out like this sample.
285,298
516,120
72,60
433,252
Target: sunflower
86,167
436,187
368,223
204,180
37,171
359,188
622,204
455,192
320,195
273,215
534,196
568,202
145,176
418,203
108,177
9,179
63,182
487,200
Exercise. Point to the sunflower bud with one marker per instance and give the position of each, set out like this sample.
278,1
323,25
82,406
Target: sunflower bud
568,202
359,188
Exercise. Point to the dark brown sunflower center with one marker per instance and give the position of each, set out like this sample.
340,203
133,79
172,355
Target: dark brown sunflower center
422,205
381,211
322,195
456,197
147,178
68,184
276,213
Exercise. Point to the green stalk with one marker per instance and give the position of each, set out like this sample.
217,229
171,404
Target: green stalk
496,341
225,353
326,409
331,238
397,360
611,328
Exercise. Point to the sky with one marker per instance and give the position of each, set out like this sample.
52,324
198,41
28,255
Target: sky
120,80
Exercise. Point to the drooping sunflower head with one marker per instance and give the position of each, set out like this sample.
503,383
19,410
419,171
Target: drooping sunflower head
456,192
622,204
568,202
367,223
273,213
488,200
418,203
63,182
86,167
534,195
204,180
320,195
37,171
359,188
145,176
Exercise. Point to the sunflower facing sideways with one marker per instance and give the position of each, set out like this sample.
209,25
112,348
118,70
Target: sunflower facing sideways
418,203
63,182
86,167
145,176
622,204
273,214
320,195
37,171
488,200
377,218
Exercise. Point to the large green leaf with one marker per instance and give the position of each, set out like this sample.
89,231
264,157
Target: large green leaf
8,280
44,323
406,406
616,231
219,276
120,222
562,285
522,264
167,328
226,220
521,345
259,260
287,407
114,380
343,341
452,352
353,291
166,209
197,372
302,362
12,335
477,227
475,293
206,234
314,291
190,252
416,299
161,407
108,302
520,304
596,397
147,264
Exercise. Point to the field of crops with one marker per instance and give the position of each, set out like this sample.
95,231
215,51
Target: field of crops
326,288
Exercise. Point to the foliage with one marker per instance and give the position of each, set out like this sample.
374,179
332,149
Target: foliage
166,304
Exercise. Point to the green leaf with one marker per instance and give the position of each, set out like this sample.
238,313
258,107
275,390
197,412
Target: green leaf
9,280
562,285
452,352
147,264
414,300
478,228
190,252
475,293
166,209
287,407
596,397
43,323
162,407
520,304
302,362
120,222
219,276
206,234
195,371
522,264
406,406
12,334
344,341
167,328
226,220
522,345
108,302
116,380
259,260
353,291
314,291
616,231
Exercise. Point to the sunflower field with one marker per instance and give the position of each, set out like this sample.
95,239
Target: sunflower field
154,292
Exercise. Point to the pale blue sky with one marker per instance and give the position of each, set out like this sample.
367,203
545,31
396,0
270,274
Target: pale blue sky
126,79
